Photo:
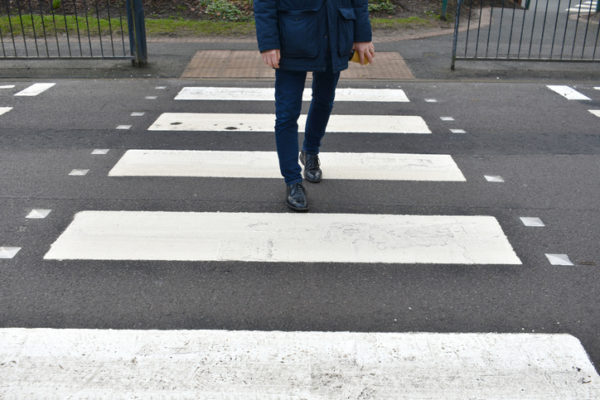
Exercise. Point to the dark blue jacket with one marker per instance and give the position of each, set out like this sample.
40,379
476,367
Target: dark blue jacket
304,31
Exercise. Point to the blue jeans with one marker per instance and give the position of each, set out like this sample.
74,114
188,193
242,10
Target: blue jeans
289,86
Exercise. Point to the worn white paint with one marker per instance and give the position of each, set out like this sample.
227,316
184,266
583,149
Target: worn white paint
111,364
256,164
447,119
35,89
559,259
7,86
79,172
532,222
284,237
266,123
4,110
123,127
459,131
160,87
595,112
268,94
431,101
568,92
494,178
138,114
100,152
38,214
8,253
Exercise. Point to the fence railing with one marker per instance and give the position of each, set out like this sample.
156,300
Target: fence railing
72,29
527,30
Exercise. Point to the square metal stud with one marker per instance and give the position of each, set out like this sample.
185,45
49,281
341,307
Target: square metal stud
447,118
532,221
9,252
431,101
151,97
160,87
138,114
124,127
38,214
494,178
79,172
458,131
559,259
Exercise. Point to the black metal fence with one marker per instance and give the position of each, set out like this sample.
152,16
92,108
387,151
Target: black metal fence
527,30
72,29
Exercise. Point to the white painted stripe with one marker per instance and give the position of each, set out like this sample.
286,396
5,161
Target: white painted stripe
268,94
124,127
38,214
110,364
568,92
8,253
79,172
138,114
458,131
431,100
100,152
447,118
596,87
248,164
151,97
494,178
35,89
285,237
595,112
4,110
266,123
7,87
559,259
532,222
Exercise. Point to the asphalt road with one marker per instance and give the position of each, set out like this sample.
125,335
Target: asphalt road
545,147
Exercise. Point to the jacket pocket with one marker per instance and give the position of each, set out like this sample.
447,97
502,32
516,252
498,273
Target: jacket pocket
299,33
346,22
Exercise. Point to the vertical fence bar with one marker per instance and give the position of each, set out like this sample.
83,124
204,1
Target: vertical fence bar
562,50
576,31
587,27
523,29
137,32
478,28
44,28
37,50
78,30
444,13
487,47
87,25
500,30
555,28
512,26
2,42
468,27
533,27
122,28
596,43
22,29
55,28
544,27
10,26
455,41
112,43
99,29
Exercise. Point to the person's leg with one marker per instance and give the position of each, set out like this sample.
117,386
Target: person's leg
289,86
323,86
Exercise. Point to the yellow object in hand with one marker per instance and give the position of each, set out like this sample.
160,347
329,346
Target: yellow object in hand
356,58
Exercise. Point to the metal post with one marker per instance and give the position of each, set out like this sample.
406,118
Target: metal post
137,32
443,16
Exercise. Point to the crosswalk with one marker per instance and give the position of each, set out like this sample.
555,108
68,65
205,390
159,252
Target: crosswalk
30,91
72,363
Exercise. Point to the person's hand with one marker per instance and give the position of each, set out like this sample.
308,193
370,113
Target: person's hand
271,58
365,50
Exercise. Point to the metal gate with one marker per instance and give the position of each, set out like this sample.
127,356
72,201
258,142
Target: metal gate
527,30
72,29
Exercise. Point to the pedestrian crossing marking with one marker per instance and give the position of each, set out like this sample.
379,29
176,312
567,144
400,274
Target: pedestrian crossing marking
7,86
206,122
4,110
35,89
283,237
201,364
256,164
568,92
559,259
268,94
595,112
8,252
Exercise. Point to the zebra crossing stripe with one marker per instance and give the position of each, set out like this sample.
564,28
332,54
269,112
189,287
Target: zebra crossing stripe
4,110
35,89
595,112
283,237
568,92
265,123
201,364
256,164
268,94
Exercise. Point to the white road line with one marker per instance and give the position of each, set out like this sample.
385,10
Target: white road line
268,94
35,89
7,87
532,222
38,214
109,364
79,172
595,112
283,237
494,178
568,92
249,164
559,259
9,252
266,123
4,110
458,131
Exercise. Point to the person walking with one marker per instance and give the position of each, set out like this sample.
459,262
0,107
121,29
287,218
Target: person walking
295,37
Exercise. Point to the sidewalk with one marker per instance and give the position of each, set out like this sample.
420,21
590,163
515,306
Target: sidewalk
415,55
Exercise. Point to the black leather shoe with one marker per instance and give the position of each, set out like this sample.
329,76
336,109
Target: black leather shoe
312,172
296,197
